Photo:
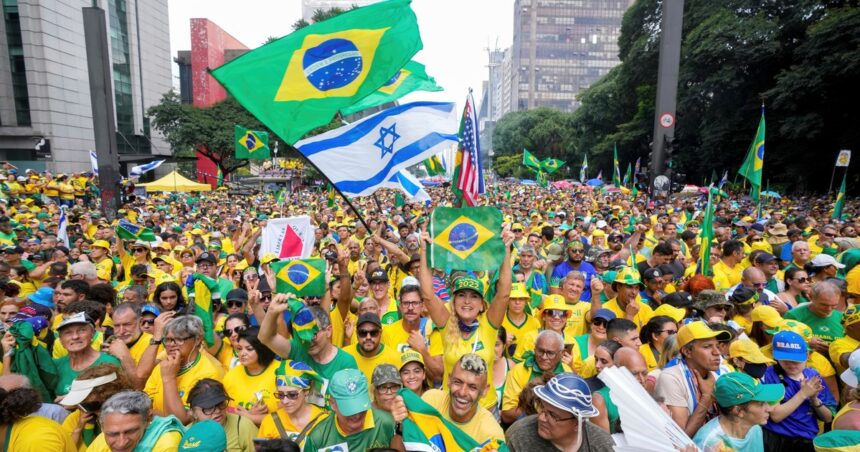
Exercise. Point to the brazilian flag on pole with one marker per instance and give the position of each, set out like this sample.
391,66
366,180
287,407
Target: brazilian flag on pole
551,165
127,230
302,277
329,196
426,429
707,235
299,82
754,161
434,166
840,200
466,239
616,170
251,144
530,160
413,77
627,175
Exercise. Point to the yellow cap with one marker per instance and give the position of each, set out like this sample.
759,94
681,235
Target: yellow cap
101,244
699,330
554,301
676,314
767,315
518,290
268,257
749,351
410,356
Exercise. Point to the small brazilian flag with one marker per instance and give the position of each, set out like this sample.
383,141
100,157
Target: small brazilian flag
299,82
413,77
251,144
129,231
466,239
302,277
434,166
330,196
840,200
551,165
530,160
282,196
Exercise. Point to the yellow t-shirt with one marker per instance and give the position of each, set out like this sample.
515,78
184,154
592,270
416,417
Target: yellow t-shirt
640,319
168,442
516,333
725,276
839,347
70,424
518,377
528,345
226,355
37,434
140,346
648,354
481,342
243,387
482,427
816,361
743,322
104,269
204,366
576,325
269,430
397,338
385,355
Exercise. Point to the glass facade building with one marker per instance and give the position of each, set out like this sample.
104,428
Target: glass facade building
16,62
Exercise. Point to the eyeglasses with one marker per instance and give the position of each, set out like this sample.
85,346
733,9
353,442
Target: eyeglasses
553,418
212,410
175,340
759,285
557,313
576,250
599,322
237,330
546,353
291,395
669,332
802,280
368,333
410,304
388,389
235,303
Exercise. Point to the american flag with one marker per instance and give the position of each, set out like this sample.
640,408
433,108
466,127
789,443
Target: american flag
470,179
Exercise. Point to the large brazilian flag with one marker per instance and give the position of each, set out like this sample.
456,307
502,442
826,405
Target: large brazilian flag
427,430
466,239
299,82
302,277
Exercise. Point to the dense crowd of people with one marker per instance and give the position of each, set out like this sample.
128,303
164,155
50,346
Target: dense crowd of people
183,343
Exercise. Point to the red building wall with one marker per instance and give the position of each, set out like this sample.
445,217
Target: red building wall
208,43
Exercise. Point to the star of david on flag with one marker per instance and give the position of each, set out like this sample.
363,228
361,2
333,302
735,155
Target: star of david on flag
385,143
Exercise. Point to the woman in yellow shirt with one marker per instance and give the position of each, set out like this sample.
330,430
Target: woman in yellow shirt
251,384
24,432
294,415
21,277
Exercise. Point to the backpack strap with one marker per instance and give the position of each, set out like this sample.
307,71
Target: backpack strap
299,439
280,426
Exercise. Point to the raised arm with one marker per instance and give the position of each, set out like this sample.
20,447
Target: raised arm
497,309
390,247
344,298
434,305
269,327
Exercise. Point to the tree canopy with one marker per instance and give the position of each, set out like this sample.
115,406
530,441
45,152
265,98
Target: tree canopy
795,56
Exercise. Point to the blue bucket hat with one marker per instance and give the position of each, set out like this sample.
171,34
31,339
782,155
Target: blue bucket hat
43,297
790,346
568,392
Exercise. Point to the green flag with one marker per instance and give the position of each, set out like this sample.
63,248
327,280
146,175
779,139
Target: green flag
840,200
541,179
398,200
530,160
251,144
707,235
434,166
466,239
299,82
754,161
616,170
220,177
627,175
413,77
551,165
127,230
282,196
302,277
330,196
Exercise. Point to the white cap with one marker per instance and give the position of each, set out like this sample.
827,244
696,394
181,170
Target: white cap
409,281
80,389
850,374
601,224
825,260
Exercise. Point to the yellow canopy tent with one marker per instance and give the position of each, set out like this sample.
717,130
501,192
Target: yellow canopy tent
174,182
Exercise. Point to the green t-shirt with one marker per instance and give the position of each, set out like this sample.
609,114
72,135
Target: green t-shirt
67,374
342,360
828,329
28,265
326,435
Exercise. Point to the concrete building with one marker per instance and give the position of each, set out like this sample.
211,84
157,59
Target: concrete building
561,47
309,6
45,92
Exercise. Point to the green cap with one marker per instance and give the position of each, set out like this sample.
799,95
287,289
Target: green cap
467,282
348,388
837,441
629,276
608,276
204,436
735,388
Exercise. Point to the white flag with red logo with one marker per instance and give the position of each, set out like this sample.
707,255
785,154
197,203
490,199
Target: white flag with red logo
288,238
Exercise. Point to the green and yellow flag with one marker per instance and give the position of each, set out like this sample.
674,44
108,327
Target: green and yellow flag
627,175
551,165
754,161
299,82
251,144
282,196
127,230
707,235
840,200
413,77
466,239
301,277
530,160
202,290
616,169
434,166
330,196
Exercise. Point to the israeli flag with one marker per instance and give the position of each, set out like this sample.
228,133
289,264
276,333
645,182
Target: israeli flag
62,226
140,170
363,156
94,162
406,182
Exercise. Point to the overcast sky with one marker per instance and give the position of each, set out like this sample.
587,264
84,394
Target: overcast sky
456,34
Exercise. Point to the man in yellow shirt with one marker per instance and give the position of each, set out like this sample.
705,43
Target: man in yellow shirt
127,424
130,344
728,270
369,351
100,256
841,348
626,305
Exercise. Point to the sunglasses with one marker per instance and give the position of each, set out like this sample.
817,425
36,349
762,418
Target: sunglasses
599,322
235,304
368,333
802,280
557,313
292,395
139,250
237,330
148,321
